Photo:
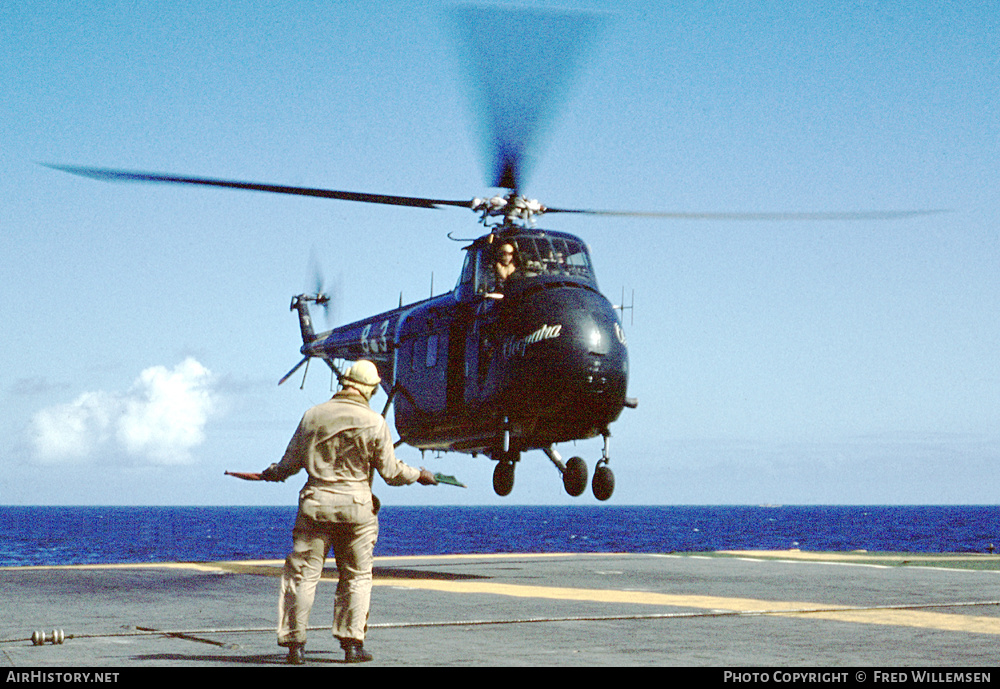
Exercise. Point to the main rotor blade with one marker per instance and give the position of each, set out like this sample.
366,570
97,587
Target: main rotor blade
520,65
834,215
108,175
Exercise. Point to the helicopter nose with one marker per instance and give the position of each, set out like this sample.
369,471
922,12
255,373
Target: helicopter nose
605,362
585,369
596,340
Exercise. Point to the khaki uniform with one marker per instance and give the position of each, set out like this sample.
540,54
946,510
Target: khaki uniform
341,444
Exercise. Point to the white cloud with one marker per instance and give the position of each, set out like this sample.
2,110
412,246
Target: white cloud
157,421
73,431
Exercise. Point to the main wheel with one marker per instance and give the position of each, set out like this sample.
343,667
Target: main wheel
604,483
575,477
503,478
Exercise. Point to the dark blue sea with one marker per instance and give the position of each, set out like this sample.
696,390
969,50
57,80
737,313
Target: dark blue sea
91,535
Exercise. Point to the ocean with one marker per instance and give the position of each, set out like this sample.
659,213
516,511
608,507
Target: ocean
101,535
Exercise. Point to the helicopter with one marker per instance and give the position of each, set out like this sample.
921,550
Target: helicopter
502,364
525,352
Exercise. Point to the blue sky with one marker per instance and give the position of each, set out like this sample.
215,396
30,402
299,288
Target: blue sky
146,326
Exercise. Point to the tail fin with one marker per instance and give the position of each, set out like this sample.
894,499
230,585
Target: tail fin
301,304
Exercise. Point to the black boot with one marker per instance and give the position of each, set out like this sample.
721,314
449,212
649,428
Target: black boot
354,652
296,654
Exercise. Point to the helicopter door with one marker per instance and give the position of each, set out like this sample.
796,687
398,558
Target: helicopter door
455,393
422,372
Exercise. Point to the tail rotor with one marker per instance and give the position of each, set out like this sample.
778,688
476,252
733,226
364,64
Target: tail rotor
300,302
320,295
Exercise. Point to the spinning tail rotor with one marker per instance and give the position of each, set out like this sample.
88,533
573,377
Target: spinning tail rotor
300,303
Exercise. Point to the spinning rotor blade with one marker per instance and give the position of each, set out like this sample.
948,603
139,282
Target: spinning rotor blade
327,296
520,65
108,175
845,215
322,297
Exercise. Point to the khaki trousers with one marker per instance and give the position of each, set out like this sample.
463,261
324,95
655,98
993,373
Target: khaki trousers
353,545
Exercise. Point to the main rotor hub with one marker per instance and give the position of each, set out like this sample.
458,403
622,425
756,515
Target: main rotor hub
513,208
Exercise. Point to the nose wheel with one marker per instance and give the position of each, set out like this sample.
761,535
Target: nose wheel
603,484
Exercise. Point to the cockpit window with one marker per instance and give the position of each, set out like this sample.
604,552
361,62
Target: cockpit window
488,266
468,269
553,256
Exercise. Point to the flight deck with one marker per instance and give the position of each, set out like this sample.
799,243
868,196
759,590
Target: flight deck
726,609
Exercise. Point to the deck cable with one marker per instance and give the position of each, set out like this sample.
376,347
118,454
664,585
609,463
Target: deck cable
58,636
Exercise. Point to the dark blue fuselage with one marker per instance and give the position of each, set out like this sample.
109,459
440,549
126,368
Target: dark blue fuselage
542,357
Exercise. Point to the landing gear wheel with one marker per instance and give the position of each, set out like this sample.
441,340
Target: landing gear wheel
503,478
604,483
575,477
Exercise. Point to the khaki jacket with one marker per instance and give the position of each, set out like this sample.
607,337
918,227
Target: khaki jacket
341,444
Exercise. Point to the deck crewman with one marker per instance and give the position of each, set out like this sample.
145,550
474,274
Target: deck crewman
341,444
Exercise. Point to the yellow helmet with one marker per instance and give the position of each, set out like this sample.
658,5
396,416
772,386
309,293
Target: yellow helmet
362,373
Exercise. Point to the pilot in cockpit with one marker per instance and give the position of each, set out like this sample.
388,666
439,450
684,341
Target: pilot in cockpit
505,263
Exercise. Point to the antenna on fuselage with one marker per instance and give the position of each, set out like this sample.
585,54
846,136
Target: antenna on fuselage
621,307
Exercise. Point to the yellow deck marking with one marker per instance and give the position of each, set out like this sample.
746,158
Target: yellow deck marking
838,613
196,566
233,564
985,562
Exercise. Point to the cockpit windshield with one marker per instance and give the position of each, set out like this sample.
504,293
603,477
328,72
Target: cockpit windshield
489,266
